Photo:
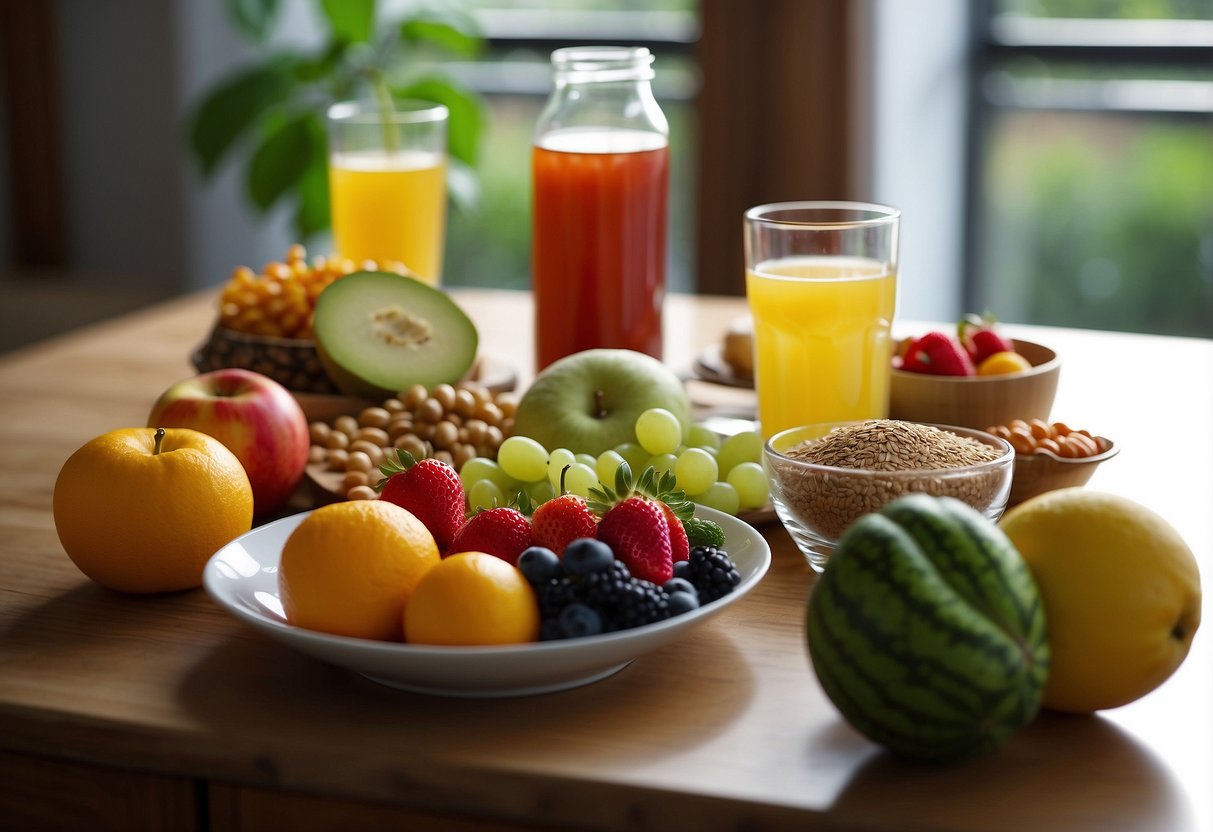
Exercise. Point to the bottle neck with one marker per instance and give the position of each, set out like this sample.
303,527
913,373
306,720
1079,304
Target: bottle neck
602,88
602,64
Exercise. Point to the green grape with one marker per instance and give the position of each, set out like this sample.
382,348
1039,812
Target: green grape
523,458
484,494
557,459
540,492
634,455
658,431
720,496
660,464
482,468
751,483
695,470
587,459
703,437
580,479
608,462
738,448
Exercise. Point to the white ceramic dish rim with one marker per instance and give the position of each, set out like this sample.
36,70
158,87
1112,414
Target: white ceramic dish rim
244,583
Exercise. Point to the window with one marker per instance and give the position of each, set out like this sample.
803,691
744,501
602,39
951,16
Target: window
1091,184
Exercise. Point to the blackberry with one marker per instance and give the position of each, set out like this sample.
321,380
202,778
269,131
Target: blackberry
642,602
554,596
603,590
712,573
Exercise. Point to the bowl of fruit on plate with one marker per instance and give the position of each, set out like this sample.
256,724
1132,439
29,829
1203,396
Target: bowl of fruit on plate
593,617
975,377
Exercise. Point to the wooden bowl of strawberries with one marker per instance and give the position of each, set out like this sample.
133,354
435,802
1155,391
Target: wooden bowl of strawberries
974,377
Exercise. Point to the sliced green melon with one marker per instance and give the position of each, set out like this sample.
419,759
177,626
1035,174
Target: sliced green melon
378,333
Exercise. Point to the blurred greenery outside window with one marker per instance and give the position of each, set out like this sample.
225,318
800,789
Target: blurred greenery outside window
489,245
1091,192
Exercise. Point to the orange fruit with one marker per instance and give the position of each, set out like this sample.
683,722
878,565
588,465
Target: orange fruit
472,598
140,515
349,568
1003,363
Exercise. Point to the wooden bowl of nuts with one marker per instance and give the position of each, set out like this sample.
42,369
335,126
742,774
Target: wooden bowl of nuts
825,476
978,401
453,423
1049,456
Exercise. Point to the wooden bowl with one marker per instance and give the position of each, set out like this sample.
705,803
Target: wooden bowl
978,401
1042,471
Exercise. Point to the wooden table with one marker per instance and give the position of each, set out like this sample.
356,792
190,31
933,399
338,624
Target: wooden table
164,712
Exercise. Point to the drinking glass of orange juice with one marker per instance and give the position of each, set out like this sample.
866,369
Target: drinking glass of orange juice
387,184
821,280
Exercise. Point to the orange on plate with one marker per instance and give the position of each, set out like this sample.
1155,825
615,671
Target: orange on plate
472,598
349,568
143,509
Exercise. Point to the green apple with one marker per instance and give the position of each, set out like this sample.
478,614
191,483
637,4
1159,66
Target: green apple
588,402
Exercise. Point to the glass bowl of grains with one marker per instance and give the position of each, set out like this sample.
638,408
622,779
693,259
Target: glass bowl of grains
825,476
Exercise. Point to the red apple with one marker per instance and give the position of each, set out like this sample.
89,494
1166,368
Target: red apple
254,416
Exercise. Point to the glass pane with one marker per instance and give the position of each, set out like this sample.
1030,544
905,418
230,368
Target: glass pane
1098,220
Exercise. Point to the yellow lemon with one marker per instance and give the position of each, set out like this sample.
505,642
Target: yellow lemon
1002,364
472,598
350,568
1121,592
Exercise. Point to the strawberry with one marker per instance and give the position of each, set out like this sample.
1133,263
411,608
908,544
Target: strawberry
503,531
980,338
430,489
638,534
561,520
642,523
680,547
938,354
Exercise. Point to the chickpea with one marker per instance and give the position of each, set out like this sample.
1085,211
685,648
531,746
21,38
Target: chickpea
414,396
337,441
346,424
319,432
337,458
361,492
353,479
445,435
465,402
359,462
444,394
374,417
316,454
393,405
377,435
430,410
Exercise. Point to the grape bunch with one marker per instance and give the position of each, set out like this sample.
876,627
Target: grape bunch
724,474
587,591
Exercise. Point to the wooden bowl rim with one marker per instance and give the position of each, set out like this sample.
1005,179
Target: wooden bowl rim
1046,454
1050,364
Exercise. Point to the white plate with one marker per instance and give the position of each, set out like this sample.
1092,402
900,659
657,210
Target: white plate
243,578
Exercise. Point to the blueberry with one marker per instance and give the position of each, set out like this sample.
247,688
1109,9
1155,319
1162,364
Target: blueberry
586,555
679,585
682,569
682,601
577,621
539,564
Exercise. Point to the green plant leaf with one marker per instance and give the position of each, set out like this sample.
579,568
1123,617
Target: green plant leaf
226,113
352,21
467,112
312,189
447,29
254,18
280,160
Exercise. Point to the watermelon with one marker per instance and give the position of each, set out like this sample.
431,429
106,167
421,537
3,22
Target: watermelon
927,631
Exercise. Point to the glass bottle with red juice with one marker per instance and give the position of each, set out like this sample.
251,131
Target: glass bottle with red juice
600,182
